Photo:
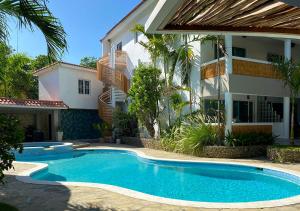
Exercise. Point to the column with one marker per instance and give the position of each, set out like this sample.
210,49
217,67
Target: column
228,54
228,112
228,95
286,100
287,49
286,117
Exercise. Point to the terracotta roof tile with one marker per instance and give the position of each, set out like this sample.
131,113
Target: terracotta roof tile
32,103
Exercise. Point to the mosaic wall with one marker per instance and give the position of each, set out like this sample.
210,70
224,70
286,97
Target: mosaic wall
78,124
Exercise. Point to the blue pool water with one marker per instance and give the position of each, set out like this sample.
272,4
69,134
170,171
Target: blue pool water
203,182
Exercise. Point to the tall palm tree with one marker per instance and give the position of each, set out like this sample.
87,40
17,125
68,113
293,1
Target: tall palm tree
290,74
31,14
220,49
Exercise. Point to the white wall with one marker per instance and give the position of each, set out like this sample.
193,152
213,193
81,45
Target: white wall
69,88
61,84
49,86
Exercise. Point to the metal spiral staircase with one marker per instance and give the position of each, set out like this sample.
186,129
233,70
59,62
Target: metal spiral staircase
110,70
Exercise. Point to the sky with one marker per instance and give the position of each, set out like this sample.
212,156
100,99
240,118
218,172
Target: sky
85,22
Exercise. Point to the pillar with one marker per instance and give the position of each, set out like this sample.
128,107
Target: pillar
286,100
288,49
228,112
228,54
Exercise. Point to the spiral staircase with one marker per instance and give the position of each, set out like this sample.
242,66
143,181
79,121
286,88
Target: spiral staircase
110,70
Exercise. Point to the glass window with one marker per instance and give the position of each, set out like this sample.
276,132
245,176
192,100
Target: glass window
87,87
119,46
80,86
243,111
240,52
84,87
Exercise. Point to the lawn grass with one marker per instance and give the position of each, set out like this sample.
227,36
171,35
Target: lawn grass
6,207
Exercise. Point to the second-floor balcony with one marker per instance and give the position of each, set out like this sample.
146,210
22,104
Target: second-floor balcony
240,66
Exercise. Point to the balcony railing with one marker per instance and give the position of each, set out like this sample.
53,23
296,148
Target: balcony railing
241,66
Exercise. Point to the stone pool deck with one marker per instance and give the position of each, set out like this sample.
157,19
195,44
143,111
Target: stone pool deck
30,197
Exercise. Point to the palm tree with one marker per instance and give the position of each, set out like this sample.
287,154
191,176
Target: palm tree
290,74
30,14
220,49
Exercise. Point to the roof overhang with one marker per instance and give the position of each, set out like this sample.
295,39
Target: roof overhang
267,18
28,104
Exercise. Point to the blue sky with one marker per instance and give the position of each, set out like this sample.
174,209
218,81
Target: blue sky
85,21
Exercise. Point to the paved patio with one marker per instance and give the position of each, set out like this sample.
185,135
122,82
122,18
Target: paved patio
44,197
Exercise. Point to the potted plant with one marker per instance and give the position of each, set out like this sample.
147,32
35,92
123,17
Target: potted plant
59,134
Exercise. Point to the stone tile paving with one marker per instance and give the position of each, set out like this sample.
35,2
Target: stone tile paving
30,197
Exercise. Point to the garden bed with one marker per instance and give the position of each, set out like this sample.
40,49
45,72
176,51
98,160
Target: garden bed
284,154
142,142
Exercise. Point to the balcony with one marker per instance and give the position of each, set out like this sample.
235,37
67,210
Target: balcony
240,66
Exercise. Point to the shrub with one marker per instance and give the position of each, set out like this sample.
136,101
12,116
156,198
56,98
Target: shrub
249,139
189,135
125,123
144,93
11,138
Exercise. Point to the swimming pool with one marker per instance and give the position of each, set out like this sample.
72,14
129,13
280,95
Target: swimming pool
183,181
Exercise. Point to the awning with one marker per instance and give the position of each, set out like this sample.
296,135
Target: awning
279,18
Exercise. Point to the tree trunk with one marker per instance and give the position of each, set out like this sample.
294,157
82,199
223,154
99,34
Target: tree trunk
292,135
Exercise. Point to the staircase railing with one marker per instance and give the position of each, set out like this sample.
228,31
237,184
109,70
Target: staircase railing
105,106
111,77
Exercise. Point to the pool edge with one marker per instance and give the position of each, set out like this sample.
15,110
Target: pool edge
25,177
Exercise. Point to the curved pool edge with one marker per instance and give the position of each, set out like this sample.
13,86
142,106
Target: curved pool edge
25,177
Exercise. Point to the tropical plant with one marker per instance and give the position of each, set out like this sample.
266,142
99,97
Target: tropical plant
249,139
190,134
217,41
125,123
31,14
290,74
177,103
144,93
102,127
41,61
89,61
11,138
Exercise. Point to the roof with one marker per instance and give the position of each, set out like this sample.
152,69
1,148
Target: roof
52,66
123,19
29,103
259,17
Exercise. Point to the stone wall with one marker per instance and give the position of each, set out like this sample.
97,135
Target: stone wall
234,152
284,154
141,142
78,124
208,151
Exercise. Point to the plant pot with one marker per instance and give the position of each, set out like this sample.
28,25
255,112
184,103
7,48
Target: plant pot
118,141
59,135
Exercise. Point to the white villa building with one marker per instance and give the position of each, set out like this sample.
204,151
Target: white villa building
255,97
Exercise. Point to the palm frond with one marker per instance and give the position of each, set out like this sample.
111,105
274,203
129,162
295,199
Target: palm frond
35,13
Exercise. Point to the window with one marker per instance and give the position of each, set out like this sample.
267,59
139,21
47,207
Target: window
243,111
271,57
80,86
240,52
84,87
119,46
136,37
